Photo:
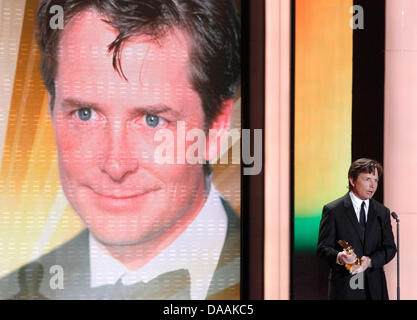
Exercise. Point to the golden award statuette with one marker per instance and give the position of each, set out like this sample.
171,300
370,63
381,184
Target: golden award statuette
347,248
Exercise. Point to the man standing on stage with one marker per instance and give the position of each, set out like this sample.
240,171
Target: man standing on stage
365,224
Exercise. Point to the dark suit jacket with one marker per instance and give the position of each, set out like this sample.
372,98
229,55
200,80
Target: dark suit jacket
339,222
32,281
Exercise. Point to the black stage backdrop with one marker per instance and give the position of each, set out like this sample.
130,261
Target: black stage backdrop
253,86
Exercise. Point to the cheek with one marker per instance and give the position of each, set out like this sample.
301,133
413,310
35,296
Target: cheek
187,150
77,150
181,174
181,178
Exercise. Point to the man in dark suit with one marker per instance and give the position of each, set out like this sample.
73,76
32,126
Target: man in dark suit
132,84
365,224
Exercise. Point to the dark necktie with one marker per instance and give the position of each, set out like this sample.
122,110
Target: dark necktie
362,219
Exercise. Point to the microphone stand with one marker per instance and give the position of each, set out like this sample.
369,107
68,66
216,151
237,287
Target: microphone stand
395,216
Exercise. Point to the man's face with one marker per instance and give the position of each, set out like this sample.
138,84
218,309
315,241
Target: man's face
365,185
105,126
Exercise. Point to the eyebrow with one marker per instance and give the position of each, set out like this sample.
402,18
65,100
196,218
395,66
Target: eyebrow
70,103
157,109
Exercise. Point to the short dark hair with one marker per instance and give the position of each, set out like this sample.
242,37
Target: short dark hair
213,27
363,165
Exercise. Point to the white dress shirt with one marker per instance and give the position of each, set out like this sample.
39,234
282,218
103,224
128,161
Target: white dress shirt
357,203
197,249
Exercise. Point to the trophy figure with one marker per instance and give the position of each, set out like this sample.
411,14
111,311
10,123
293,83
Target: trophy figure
347,248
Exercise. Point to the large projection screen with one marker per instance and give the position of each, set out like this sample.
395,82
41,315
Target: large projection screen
36,216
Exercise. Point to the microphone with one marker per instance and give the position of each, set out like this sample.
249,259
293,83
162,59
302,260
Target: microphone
395,216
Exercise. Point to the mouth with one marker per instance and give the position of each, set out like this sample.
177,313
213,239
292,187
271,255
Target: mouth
117,196
120,194
115,200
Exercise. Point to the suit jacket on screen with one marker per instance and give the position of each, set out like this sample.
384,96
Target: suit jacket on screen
339,222
34,280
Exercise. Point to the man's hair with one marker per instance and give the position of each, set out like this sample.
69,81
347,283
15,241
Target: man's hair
363,165
213,27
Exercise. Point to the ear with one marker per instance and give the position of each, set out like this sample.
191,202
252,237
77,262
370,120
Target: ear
218,130
352,182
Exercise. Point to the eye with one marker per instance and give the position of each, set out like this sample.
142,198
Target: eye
153,121
85,114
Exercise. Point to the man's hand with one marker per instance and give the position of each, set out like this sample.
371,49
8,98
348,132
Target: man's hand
365,264
345,258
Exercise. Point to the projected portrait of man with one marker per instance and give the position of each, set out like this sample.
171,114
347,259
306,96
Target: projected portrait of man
116,74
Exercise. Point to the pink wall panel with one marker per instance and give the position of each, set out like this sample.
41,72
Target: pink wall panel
400,138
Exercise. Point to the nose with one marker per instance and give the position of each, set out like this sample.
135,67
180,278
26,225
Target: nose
119,159
118,167
373,184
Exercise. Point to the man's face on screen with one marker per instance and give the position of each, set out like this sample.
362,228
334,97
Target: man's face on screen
105,127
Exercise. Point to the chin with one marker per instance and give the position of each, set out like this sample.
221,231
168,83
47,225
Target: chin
122,234
120,238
